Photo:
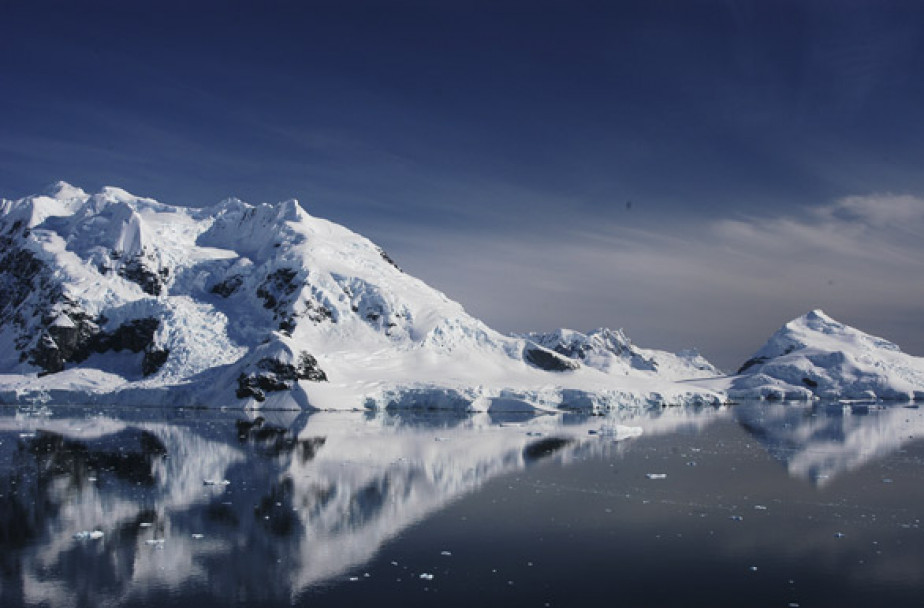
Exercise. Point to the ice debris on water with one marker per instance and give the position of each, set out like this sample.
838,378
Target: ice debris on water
89,535
656,475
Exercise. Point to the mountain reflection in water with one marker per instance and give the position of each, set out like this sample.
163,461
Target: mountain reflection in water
262,507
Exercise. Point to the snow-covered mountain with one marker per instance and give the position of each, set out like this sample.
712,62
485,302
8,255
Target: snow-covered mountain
115,298
612,352
816,356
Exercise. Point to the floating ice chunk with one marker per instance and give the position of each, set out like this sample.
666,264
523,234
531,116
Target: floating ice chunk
656,475
89,535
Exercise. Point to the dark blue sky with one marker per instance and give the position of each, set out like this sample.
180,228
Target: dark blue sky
492,146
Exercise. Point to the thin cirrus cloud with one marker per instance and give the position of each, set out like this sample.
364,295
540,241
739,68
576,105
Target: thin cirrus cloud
720,285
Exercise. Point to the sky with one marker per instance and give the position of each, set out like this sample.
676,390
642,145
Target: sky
696,172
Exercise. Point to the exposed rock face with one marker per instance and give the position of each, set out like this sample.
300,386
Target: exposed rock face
273,375
387,258
228,287
154,359
280,291
73,337
760,360
143,270
548,360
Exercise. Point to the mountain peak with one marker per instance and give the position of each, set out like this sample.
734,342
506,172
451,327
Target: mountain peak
62,190
817,355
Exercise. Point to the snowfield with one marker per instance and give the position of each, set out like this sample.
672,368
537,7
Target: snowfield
112,298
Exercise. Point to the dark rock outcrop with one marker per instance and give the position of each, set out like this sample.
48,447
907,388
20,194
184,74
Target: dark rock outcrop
154,359
72,337
143,271
279,292
387,258
228,287
272,375
548,360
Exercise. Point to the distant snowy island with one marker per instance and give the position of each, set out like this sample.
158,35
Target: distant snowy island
112,298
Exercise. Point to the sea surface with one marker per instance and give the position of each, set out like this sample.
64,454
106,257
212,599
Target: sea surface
755,504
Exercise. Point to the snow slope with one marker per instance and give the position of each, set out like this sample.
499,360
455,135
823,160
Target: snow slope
816,356
111,298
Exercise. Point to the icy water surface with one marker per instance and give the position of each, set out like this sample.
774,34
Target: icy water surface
750,505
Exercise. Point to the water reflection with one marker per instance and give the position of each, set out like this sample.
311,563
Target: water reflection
817,442
261,508
254,508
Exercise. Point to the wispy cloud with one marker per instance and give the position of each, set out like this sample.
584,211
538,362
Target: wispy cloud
720,285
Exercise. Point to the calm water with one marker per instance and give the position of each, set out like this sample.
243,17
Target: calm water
751,505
